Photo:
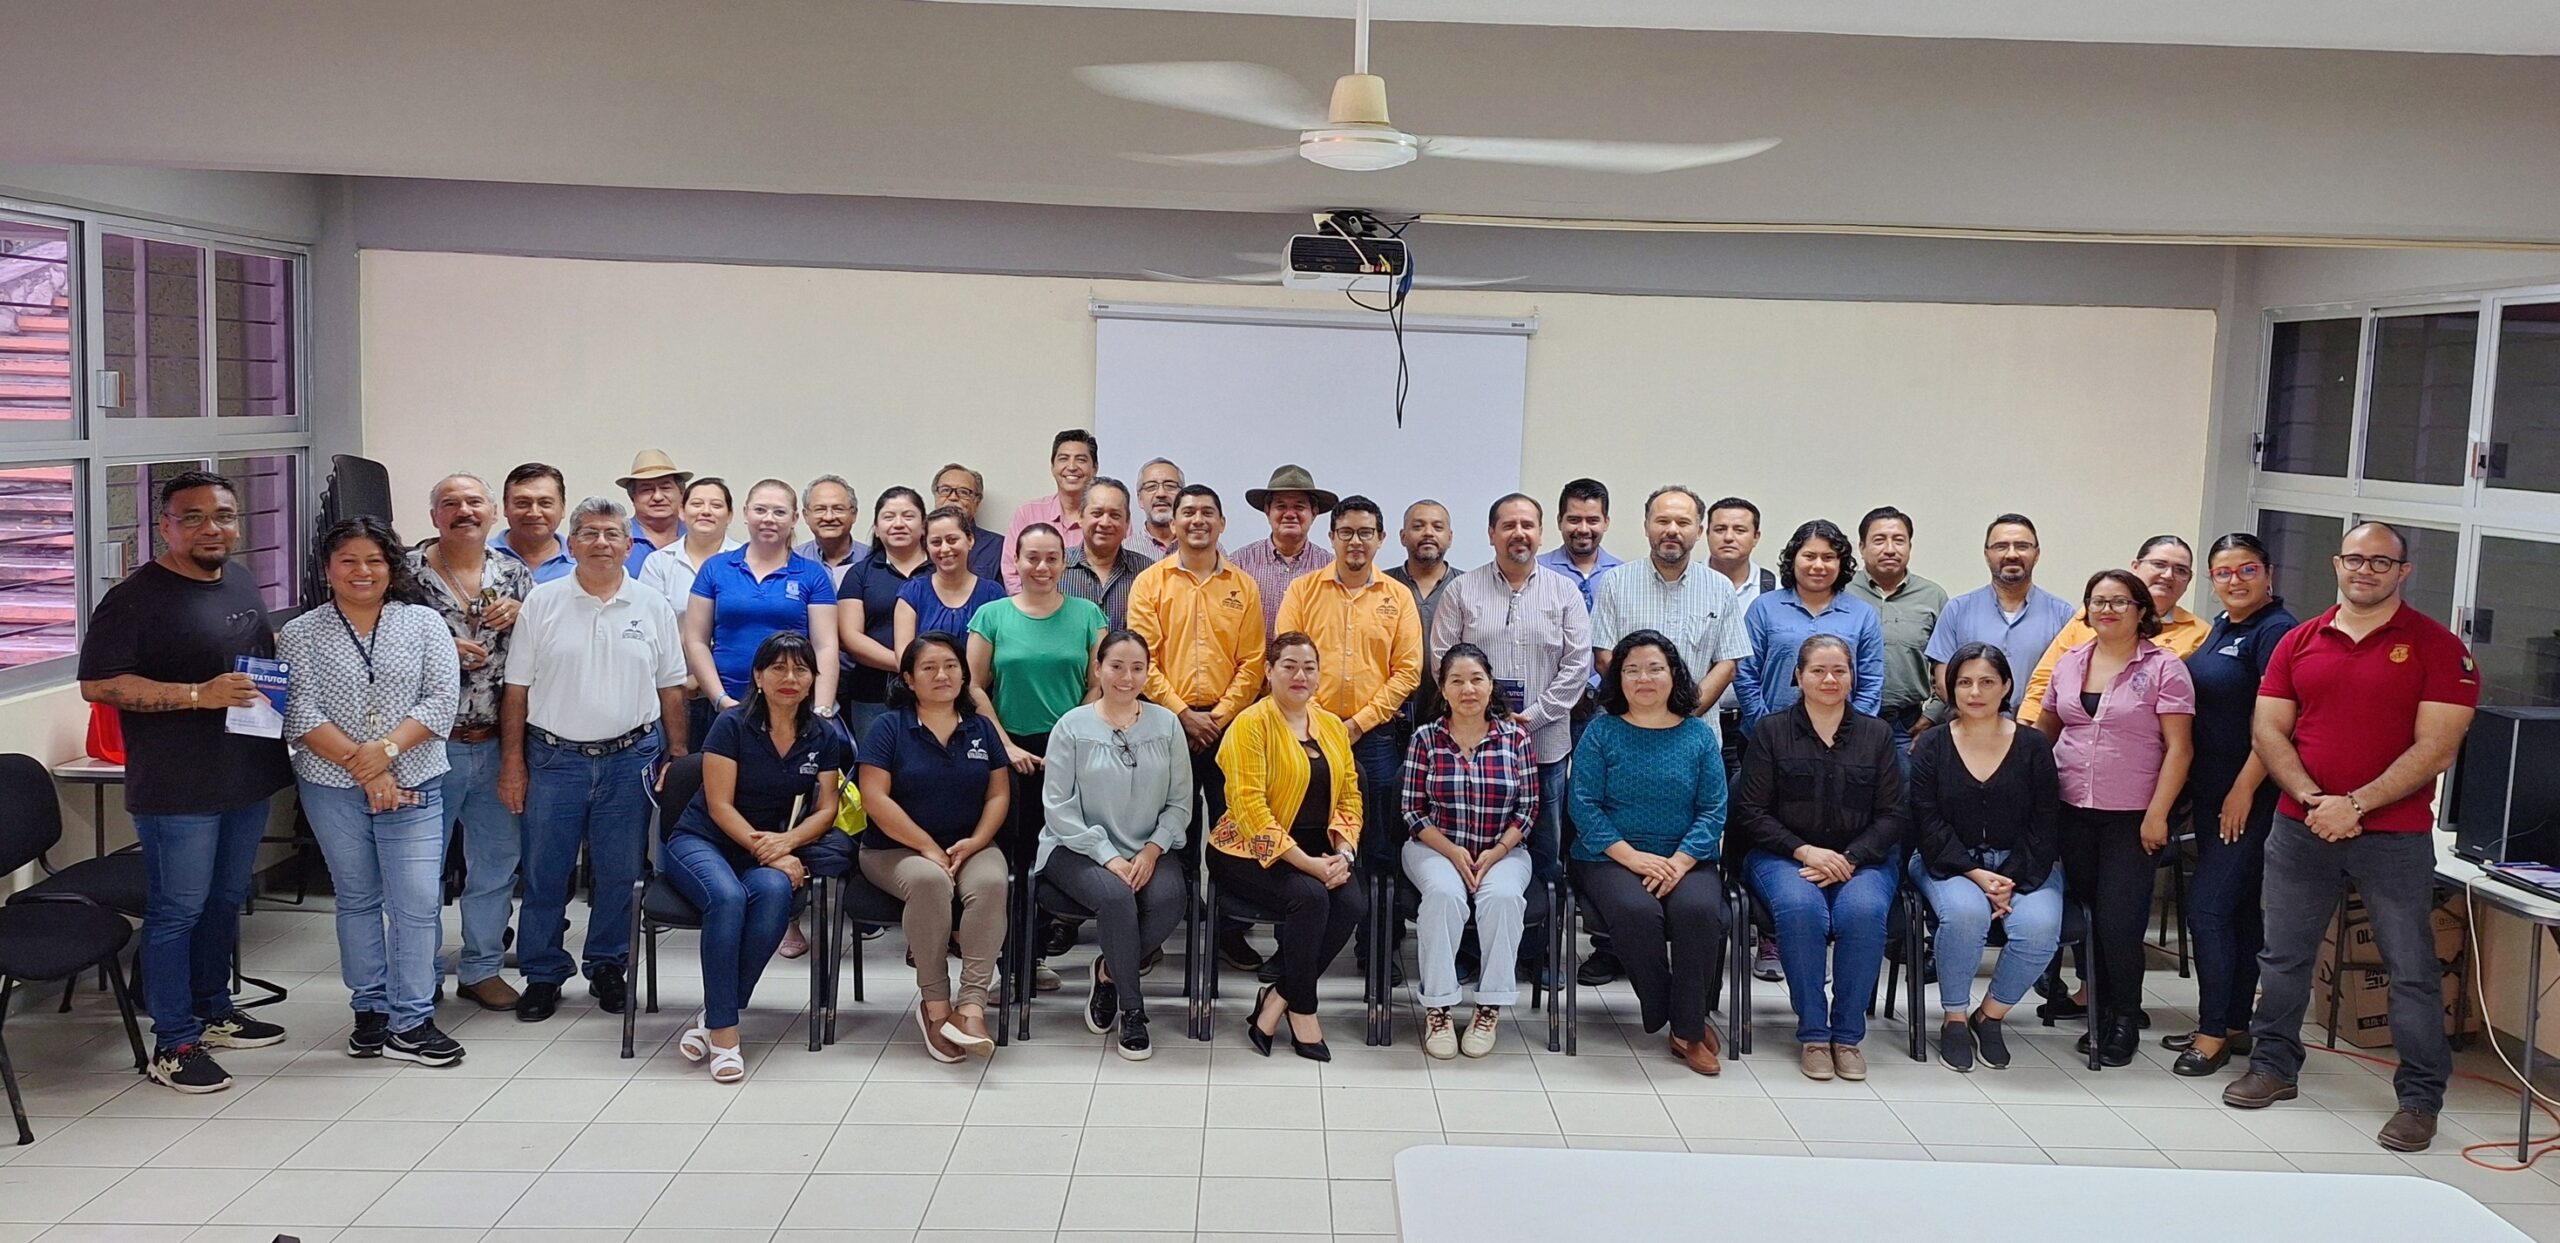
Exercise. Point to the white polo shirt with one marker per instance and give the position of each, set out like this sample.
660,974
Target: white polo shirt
593,668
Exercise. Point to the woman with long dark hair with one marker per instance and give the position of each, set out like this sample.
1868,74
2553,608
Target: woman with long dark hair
1470,797
373,683
735,852
1812,598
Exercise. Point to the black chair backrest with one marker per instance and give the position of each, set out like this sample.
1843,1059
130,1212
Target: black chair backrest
30,812
684,780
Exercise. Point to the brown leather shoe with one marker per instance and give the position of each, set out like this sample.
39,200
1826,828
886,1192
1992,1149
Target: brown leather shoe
2257,1090
1816,1063
1701,1055
1848,1062
493,993
2408,1131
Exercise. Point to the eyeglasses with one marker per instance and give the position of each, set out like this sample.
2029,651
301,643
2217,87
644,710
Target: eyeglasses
947,492
1128,754
2379,565
598,535
2010,546
2240,573
197,519
1365,535
2112,604
2170,568
1160,485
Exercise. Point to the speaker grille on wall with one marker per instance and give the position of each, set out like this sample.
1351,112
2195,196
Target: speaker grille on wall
2506,787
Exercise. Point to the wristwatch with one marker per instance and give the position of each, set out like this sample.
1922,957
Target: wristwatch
825,710
390,749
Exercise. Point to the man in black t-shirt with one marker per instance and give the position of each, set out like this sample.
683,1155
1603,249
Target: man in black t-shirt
163,649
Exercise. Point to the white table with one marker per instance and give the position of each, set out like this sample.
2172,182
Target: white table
1543,1195
2462,875
97,774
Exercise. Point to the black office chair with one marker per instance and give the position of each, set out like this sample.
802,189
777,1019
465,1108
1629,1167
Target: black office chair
657,906
1919,945
1214,908
50,937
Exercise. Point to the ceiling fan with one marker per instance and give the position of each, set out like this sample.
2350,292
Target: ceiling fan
1353,134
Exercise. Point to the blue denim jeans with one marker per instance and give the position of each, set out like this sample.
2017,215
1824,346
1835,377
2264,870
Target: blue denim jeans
388,870
744,914
492,845
199,868
602,801
1900,721
2034,925
1822,931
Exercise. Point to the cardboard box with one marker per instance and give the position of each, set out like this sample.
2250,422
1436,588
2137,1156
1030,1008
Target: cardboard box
2364,1004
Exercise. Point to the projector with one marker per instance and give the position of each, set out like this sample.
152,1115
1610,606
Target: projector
1364,265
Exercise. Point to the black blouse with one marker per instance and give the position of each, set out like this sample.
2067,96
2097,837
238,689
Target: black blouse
1798,790
2018,810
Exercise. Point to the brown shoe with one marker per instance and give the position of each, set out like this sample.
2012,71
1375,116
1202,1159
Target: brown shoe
1701,1055
493,993
2257,1090
1817,1063
1849,1062
2408,1131
936,1044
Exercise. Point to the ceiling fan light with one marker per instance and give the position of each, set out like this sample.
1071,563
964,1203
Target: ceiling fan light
1363,150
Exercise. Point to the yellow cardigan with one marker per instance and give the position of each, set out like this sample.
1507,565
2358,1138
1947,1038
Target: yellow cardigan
1267,774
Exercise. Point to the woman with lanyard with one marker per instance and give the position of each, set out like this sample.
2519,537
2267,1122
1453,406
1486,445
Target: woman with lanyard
867,604
737,855
1029,657
746,595
373,682
2233,803
670,572
948,598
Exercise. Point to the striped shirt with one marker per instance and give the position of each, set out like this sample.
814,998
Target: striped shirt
1472,797
1699,612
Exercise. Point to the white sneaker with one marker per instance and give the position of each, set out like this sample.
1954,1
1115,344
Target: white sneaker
1482,1032
1439,1037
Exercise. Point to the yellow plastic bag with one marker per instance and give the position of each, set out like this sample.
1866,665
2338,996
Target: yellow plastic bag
849,816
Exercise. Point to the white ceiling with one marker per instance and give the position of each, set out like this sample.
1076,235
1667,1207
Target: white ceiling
980,102
2493,27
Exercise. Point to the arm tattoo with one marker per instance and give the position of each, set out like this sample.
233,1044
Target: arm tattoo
132,693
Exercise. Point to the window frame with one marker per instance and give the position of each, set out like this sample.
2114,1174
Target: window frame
94,441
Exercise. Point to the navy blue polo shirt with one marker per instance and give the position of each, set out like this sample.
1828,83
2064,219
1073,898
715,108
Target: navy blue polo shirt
2226,671
875,582
943,788
746,610
770,782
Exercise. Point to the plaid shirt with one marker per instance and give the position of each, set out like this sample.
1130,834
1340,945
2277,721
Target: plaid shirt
1471,797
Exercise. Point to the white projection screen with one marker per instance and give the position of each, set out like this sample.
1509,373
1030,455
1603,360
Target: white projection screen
1230,396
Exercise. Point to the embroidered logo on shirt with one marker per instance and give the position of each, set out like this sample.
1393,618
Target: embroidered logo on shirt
977,750
791,590
633,630
809,767
2399,653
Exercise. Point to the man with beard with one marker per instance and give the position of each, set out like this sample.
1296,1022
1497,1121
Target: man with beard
163,648
656,489
1073,454
1909,605
1159,484
829,508
479,596
2010,613
1103,569
536,498
965,489
2361,709
1290,504
1690,604
1427,574
1582,517
1533,626
1370,633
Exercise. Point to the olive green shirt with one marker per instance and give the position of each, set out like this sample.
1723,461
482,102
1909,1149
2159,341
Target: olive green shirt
1910,615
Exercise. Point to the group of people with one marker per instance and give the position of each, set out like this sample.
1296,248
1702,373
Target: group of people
1103,701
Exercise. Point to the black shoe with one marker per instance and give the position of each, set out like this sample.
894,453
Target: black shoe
238,1031
1600,968
539,1002
1101,1002
1955,1044
372,1029
2237,1042
1147,965
2061,1008
1238,953
1260,1039
2142,1020
1060,942
424,1045
606,985
2118,1037
1312,1050
2196,1065
1269,971
1989,1039
1133,1043
875,932
188,1068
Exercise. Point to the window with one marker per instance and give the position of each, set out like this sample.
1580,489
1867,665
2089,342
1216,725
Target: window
2524,409
2311,396
39,564
2418,421
153,293
270,511
2301,545
2434,555
253,354
2515,624
35,323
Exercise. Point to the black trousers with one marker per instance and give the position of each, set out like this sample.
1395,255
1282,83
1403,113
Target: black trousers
2104,866
1672,946
1315,922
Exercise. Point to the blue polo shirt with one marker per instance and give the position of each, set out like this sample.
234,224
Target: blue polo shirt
640,550
942,787
769,782
560,564
746,610
932,614
2226,671
1975,617
876,582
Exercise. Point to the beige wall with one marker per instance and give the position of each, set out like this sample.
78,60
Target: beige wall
2083,417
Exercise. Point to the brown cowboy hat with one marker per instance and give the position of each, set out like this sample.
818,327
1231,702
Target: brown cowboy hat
651,464
1292,478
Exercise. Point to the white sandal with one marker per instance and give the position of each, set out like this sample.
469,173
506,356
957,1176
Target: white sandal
695,1043
728,1065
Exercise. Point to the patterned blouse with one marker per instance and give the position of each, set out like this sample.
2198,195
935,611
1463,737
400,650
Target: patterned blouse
499,577
407,669
1472,797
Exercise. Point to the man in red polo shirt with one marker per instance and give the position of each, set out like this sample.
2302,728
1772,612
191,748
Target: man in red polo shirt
2360,711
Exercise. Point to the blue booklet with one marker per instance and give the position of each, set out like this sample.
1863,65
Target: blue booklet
263,717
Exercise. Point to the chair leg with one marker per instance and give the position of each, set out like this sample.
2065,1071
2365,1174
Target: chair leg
2337,976
17,1105
70,985
114,972
2178,902
817,962
1915,937
1559,967
647,947
1572,983
857,974
2089,959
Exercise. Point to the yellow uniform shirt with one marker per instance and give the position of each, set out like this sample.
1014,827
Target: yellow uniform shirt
1204,636
2181,632
1368,642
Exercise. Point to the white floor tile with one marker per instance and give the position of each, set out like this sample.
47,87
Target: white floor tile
120,1143
1031,1104
1521,1113
1126,1205
502,1147
1380,1109
888,1148
1015,1150
1844,1121
309,1197
176,1196
1265,1108
1248,1205
633,1147
573,1200
704,1202
997,1202
760,1148
1149,1104
448,1198
48,1195
1370,1154
371,1145
878,1201
1141,1151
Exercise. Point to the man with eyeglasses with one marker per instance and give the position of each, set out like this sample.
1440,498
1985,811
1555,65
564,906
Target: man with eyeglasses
2010,613
959,486
2361,709
163,648
829,508
598,663
1159,486
2167,566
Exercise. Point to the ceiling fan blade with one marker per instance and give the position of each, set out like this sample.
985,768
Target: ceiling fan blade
1249,278
1463,282
1245,157
1253,94
1595,156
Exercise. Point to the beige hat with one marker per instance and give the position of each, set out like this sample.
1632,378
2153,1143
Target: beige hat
1292,478
653,464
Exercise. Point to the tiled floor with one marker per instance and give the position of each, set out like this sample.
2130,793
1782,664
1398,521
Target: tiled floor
544,1133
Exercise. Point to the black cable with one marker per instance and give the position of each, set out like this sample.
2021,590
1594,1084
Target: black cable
1400,287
